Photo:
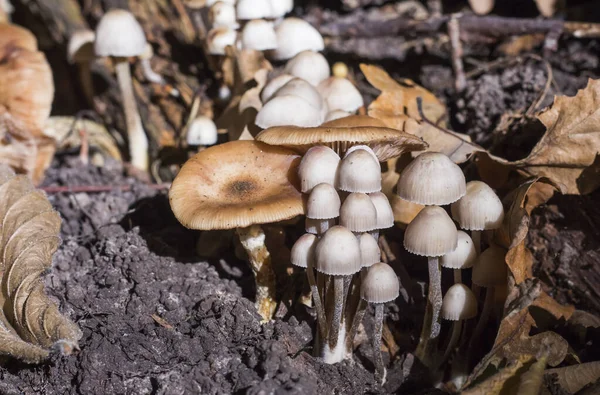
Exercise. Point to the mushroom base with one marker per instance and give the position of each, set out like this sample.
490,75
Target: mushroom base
337,353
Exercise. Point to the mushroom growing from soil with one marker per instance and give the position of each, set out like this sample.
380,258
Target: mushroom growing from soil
80,51
459,304
119,36
240,185
463,257
379,286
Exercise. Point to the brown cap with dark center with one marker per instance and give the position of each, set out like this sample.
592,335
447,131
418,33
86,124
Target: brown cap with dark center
342,134
237,184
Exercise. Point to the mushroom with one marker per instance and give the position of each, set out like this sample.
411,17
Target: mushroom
340,69
288,110
482,7
300,88
459,304
480,209
119,36
280,7
358,213
379,286
336,114
385,214
432,234
259,35
274,85
149,74
311,66
322,206
337,255
295,35
359,172
319,165
340,94
220,38
222,14
80,50
463,257
202,131
253,9
342,134
240,185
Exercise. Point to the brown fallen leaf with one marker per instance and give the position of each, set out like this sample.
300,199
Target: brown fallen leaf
504,381
568,153
573,378
30,323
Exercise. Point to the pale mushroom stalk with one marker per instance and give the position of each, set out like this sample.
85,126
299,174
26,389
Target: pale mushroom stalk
318,301
138,142
380,372
338,308
476,236
85,77
149,74
434,296
457,276
488,305
356,321
454,337
252,239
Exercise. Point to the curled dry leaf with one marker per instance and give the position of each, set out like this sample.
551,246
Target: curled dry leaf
30,323
568,153
397,106
574,378
503,381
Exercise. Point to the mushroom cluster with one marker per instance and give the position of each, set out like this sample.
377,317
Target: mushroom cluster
345,210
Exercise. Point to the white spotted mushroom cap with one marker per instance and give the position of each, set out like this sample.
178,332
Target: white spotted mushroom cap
340,94
259,35
359,172
119,34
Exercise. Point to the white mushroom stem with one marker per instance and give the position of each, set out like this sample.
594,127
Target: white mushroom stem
488,305
456,330
149,74
457,276
252,239
476,237
435,295
356,320
138,142
318,302
85,77
338,308
377,357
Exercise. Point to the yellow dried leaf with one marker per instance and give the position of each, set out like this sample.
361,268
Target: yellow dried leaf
30,323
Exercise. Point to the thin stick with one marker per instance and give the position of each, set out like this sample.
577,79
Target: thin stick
460,81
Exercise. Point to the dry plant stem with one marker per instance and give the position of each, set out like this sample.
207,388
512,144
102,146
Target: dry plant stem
488,305
138,142
457,53
336,317
318,302
87,85
252,239
377,357
356,320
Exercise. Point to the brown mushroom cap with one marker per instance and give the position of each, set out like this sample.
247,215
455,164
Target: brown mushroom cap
343,133
17,37
237,184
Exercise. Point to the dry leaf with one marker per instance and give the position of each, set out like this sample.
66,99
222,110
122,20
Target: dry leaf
573,378
30,323
568,153
503,381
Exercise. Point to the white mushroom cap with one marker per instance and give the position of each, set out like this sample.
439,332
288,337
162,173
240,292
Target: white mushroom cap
310,66
336,114
202,131
359,172
318,226
222,14
490,270
479,209
340,94
369,250
338,253
303,251
459,303
482,7
432,178
281,7
385,214
299,87
295,35
81,46
253,9
358,213
319,165
220,38
323,202
380,285
362,147
464,256
260,35
288,111
119,35
210,3
432,233
273,86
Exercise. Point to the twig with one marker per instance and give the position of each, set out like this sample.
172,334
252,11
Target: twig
460,80
99,188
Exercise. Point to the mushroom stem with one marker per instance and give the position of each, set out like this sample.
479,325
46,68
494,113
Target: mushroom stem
138,142
336,318
457,276
318,302
456,330
434,296
377,357
87,85
252,239
356,320
149,74
485,315
476,237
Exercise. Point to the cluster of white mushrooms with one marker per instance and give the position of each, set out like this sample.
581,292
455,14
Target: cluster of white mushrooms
344,212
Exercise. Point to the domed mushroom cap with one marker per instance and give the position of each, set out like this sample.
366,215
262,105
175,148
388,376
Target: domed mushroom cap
479,209
81,46
482,7
336,114
295,35
303,251
432,233
202,131
369,250
359,172
120,35
338,253
343,133
358,213
259,35
17,37
380,285
223,14
463,257
253,9
490,269
273,86
281,7
385,214
220,38
237,184
300,88
432,179
319,165
323,202
459,303
311,66
288,110
340,94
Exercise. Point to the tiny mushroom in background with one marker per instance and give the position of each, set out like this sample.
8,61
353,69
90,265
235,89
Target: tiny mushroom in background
253,9
459,304
482,7
240,185
273,86
149,74
202,131
259,35
463,257
295,35
220,38
119,36
480,209
288,110
379,286
80,51
340,69
340,94
311,66
222,14
300,88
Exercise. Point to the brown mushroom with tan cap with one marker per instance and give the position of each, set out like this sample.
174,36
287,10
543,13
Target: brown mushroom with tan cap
80,51
480,209
459,304
240,185
463,257
120,36
342,134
